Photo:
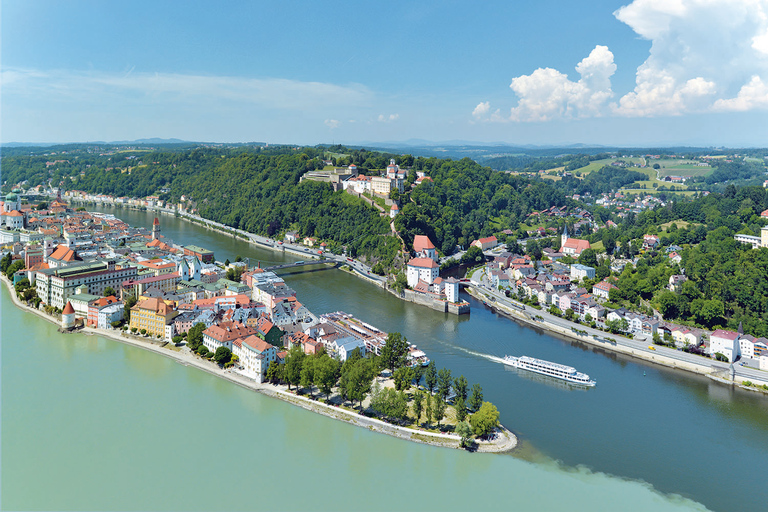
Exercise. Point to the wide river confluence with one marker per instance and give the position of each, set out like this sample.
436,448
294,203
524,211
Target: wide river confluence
91,424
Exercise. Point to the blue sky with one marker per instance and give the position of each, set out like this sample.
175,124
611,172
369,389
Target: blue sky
642,72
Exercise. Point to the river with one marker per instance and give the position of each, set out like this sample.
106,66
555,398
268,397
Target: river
106,420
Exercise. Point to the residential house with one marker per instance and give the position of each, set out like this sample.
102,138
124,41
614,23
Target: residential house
603,289
485,243
676,282
684,336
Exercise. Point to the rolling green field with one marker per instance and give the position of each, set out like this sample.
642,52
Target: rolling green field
677,167
599,164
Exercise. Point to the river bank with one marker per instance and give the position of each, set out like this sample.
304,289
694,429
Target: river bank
708,369
504,441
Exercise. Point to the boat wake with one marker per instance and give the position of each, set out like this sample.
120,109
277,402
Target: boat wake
489,357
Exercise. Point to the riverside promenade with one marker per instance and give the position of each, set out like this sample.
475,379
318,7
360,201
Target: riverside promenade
503,441
665,356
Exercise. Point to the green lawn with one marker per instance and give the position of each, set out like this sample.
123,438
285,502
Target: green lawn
681,224
599,164
654,191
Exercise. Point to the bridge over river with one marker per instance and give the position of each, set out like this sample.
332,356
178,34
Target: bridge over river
301,264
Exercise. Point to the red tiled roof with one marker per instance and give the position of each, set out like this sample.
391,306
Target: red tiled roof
68,309
422,263
422,242
256,343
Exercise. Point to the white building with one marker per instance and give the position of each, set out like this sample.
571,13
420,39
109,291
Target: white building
255,355
579,272
109,314
726,343
345,346
424,269
452,289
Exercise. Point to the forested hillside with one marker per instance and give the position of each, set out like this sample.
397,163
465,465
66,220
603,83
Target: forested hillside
467,201
727,281
258,190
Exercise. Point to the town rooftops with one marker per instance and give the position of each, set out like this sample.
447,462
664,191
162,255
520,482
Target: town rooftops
227,331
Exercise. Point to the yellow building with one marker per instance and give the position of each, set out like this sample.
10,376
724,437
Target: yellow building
152,315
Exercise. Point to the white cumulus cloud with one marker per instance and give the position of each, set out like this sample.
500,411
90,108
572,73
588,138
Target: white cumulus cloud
481,110
702,51
332,123
752,95
706,55
388,119
547,93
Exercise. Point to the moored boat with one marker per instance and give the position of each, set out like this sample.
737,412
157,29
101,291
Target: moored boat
556,370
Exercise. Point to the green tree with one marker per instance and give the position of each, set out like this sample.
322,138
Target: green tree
444,382
109,291
418,405
401,282
195,336
418,373
14,267
293,365
440,407
307,377
274,372
394,351
476,398
430,376
485,419
222,355
461,408
326,374
465,431
356,377
5,262
473,255
130,301
588,257
428,408
460,385
402,378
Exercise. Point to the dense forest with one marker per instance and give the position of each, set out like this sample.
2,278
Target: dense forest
467,201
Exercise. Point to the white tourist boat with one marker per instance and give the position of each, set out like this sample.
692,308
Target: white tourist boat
558,371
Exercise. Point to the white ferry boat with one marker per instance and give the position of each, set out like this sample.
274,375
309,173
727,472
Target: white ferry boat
558,371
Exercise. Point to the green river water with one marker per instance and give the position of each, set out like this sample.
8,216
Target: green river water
91,424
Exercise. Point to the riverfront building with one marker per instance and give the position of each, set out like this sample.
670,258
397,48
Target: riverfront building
56,285
153,315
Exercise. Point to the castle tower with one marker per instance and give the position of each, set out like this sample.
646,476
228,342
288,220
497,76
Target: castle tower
156,229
